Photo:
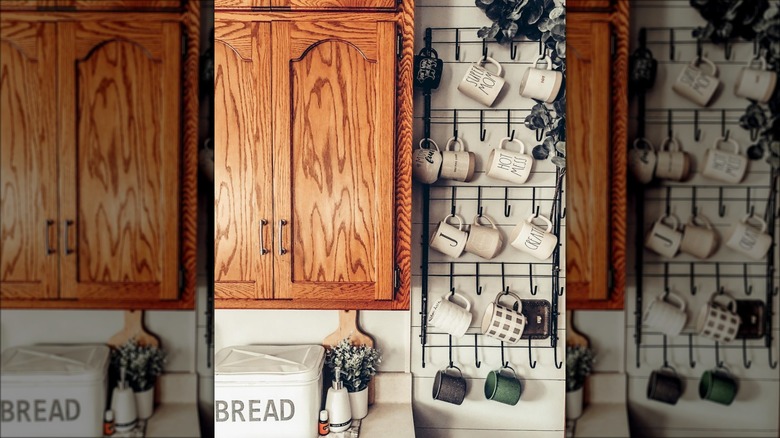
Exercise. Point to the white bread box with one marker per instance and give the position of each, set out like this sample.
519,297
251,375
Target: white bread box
53,390
268,391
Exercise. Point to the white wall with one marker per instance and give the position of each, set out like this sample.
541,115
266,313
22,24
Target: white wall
754,413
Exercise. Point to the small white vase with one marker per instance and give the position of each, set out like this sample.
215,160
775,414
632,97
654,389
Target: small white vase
144,403
574,404
358,402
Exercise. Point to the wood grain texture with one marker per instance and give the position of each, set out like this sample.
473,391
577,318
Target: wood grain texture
89,5
331,150
331,4
588,137
243,173
589,5
125,131
240,4
27,5
28,161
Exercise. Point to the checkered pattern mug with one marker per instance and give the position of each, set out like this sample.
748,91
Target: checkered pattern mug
718,319
503,322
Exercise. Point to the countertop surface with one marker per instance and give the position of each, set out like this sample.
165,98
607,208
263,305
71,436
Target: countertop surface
606,413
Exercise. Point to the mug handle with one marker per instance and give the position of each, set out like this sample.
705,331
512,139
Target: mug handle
731,305
429,141
504,140
670,141
705,221
675,221
476,221
749,216
455,294
429,51
759,58
460,221
519,302
453,366
490,60
707,61
722,140
546,60
643,141
677,298
454,140
507,367
531,218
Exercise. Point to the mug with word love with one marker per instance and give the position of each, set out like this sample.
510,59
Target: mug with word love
482,85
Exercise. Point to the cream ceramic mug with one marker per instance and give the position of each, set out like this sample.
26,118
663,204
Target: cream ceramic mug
718,320
696,85
728,167
533,239
457,164
449,240
427,162
482,85
642,160
699,238
752,241
541,84
673,163
666,317
664,239
503,322
756,83
450,317
484,241
507,165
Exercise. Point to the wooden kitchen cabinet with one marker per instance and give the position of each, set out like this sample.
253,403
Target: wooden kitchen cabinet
589,5
91,5
98,193
312,168
341,4
597,118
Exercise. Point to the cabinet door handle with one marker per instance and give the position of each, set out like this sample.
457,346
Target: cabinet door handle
282,223
263,250
68,249
49,225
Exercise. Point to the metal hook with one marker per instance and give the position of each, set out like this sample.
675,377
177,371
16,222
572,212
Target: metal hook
668,208
479,201
772,365
541,48
747,363
666,280
534,207
482,130
691,362
507,206
512,137
531,279
669,130
694,207
455,123
477,362
748,287
721,206
513,50
484,48
727,50
453,191
476,279
693,278
504,287
725,133
450,350
457,44
539,134
717,279
503,363
718,362
671,45
698,48
558,365
509,124
756,51
530,358
749,208
666,363
696,129
754,132
560,293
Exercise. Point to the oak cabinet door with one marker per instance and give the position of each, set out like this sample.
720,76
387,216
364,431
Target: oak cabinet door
124,4
588,145
241,4
243,174
119,179
334,103
28,160
330,4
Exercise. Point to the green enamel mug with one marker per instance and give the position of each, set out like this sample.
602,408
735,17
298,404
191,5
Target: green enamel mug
718,386
503,387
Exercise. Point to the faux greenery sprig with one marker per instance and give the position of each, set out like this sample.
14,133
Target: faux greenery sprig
143,363
579,365
358,362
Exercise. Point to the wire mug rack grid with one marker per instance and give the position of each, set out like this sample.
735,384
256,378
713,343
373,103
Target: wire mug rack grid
475,195
718,198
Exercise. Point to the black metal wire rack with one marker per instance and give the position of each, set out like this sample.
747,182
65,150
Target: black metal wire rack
475,195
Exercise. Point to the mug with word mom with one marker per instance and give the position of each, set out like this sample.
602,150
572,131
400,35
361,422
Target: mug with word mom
695,84
753,241
507,165
482,85
756,83
449,240
541,84
457,164
533,239
729,167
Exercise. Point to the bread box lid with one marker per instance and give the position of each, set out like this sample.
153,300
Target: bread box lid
269,363
60,363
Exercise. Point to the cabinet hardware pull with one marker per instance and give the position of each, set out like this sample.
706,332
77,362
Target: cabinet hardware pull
49,249
68,249
263,250
282,223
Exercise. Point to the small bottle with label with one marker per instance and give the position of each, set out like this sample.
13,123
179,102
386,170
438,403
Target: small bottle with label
337,404
323,426
108,423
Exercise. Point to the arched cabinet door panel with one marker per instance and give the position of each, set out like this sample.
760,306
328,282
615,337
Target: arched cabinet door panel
119,177
334,148
28,161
